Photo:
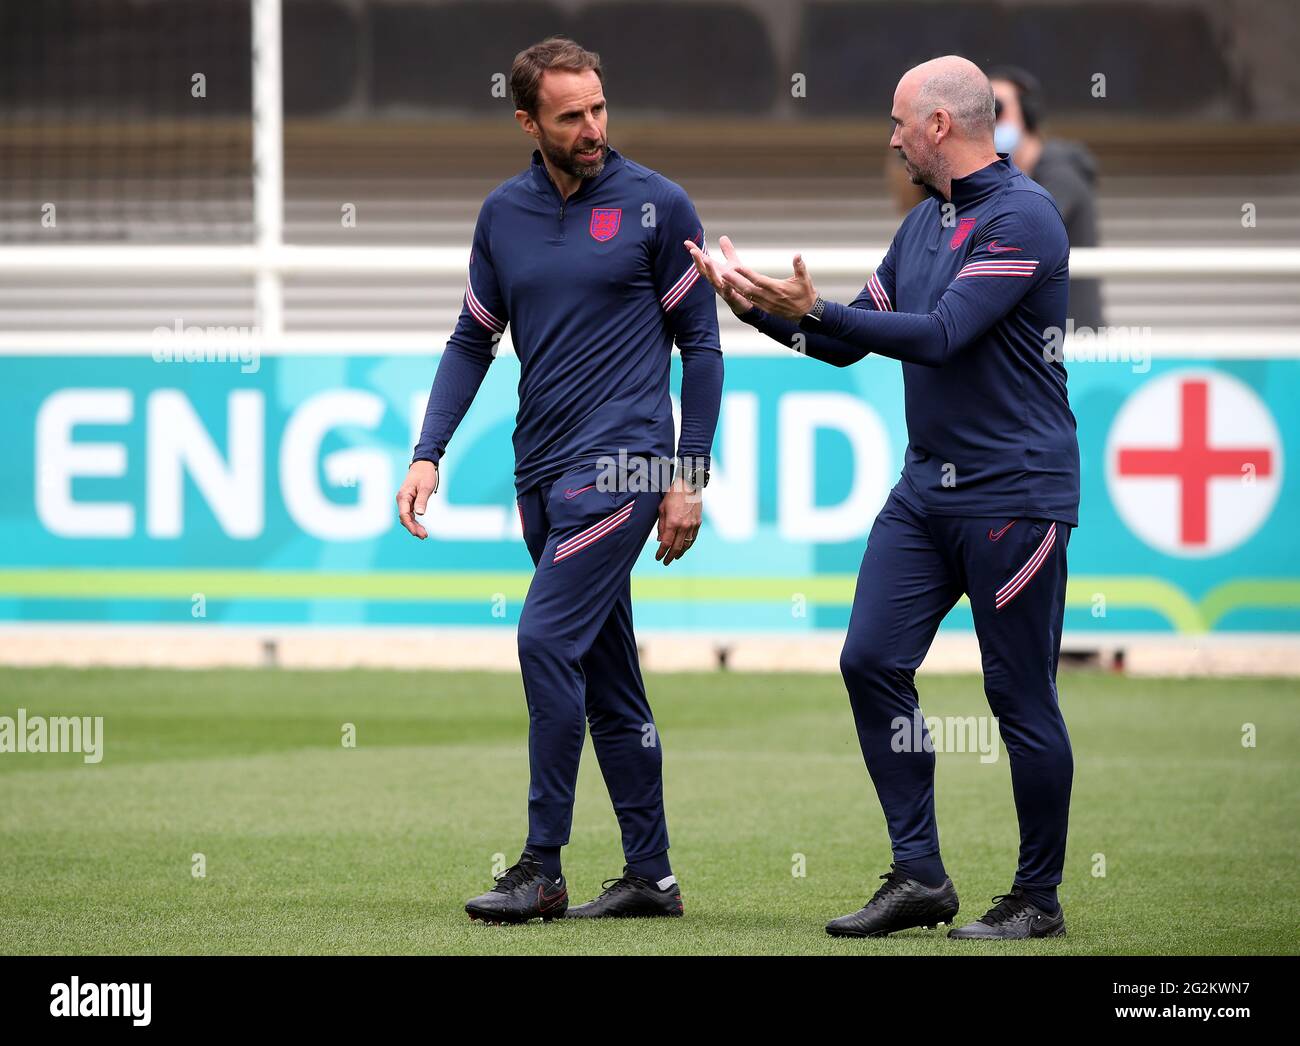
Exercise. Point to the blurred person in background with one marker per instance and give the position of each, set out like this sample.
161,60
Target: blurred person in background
1065,169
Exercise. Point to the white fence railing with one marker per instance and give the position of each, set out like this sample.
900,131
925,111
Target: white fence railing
286,259
268,264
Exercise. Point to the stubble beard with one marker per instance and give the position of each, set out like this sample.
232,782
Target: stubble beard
565,161
928,173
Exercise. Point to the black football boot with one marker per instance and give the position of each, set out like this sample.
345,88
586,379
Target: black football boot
1012,918
522,893
631,897
899,904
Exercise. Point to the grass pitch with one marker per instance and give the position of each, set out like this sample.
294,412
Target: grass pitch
312,847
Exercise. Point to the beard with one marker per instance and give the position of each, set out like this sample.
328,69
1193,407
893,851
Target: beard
566,159
919,173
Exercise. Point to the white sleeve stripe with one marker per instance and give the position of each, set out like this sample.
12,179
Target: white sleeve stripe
871,289
677,291
883,304
681,288
999,267
481,314
682,279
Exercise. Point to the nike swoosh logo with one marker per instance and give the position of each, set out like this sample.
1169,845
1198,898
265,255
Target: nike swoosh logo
544,902
994,536
993,248
570,494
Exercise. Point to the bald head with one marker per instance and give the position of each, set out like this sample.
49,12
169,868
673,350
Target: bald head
956,85
943,121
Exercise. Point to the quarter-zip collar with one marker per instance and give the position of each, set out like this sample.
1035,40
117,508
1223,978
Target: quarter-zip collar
542,177
981,184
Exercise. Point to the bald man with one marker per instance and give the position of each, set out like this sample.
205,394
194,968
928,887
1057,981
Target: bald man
989,491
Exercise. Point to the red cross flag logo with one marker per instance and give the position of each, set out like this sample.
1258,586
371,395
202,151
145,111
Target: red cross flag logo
1194,463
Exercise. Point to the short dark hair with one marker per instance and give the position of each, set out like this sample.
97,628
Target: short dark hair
1028,90
555,52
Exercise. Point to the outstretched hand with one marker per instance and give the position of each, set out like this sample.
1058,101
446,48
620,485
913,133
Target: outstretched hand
791,298
715,270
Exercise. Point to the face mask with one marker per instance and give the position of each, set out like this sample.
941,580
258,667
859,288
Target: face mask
1006,136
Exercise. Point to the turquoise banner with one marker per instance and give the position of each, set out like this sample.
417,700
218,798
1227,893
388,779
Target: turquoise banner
166,491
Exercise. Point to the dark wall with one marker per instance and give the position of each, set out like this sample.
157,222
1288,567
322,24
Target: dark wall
94,57
1161,60
360,60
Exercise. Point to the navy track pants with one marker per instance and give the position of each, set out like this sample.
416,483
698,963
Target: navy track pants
915,568
578,656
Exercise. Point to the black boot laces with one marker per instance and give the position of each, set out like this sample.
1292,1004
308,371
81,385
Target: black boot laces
1005,906
614,886
893,881
514,877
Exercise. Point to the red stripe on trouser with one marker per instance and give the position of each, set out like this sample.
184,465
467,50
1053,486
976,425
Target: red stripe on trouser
593,534
1025,574
564,545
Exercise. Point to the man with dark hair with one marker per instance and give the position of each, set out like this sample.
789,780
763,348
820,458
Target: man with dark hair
1065,169
582,256
987,499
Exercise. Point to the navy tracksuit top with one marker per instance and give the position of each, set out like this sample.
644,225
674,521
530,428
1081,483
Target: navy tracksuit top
965,298
595,289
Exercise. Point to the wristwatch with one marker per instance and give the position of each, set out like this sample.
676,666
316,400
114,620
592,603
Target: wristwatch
819,306
697,477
